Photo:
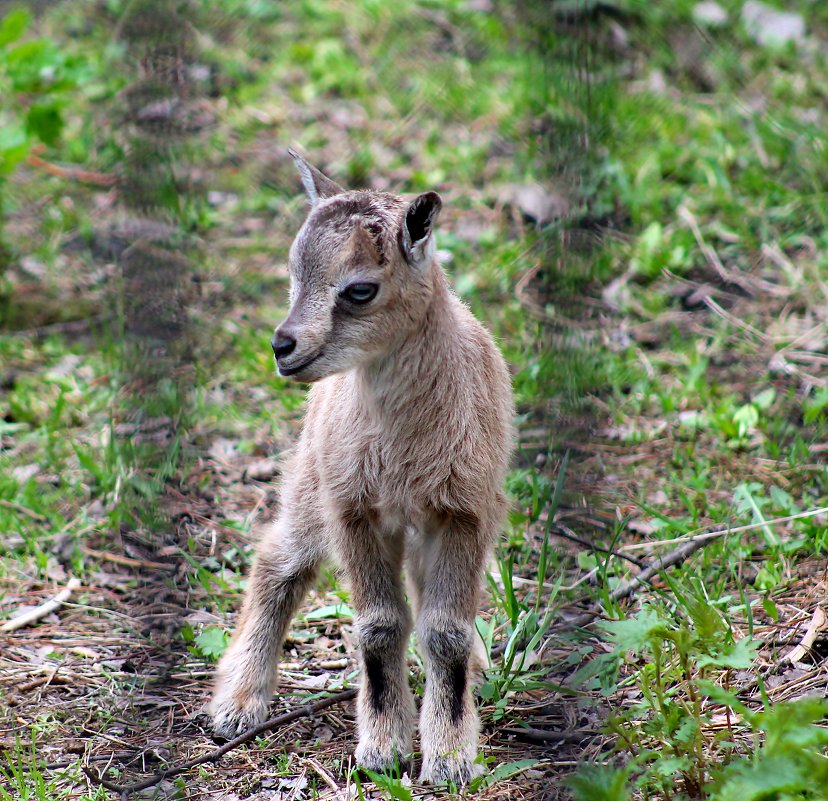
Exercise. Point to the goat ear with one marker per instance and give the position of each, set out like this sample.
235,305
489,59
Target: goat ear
417,226
317,185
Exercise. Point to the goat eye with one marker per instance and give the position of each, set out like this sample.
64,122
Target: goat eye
359,293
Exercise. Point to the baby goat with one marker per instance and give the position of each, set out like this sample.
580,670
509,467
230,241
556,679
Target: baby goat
401,459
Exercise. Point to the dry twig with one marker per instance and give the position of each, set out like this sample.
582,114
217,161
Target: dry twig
548,736
566,533
626,588
72,173
23,510
323,774
818,622
41,611
52,678
127,561
308,710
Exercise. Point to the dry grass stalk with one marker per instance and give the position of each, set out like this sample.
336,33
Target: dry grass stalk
707,535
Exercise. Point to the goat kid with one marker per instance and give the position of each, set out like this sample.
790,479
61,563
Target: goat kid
400,463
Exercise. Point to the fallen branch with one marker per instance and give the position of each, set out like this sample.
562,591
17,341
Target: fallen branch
308,710
629,587
548,736
52,678
127,561
642,578
41,611
662,563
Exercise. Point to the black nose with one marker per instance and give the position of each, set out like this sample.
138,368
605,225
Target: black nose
282,344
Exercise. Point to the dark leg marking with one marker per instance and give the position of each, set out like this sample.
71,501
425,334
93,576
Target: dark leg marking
379,642
376,681
449,650
458,690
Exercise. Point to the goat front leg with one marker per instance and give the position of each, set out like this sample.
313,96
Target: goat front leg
286,564
449,727
385,705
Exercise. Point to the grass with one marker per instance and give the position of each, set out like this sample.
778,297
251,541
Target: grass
667,332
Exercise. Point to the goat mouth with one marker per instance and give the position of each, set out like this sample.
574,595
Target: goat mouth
286,371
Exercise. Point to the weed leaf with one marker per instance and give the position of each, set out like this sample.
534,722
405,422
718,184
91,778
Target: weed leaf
637,632
212,642
599,783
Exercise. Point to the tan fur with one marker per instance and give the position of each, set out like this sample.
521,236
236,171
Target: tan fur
400,462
